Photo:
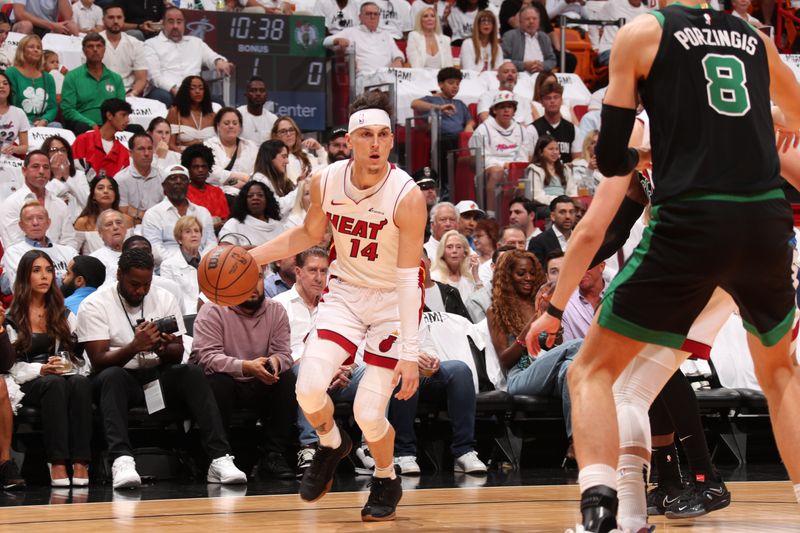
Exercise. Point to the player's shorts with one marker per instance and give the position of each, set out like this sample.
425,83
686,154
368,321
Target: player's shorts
743,244
349,315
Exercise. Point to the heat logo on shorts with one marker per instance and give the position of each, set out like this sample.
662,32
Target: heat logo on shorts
386,344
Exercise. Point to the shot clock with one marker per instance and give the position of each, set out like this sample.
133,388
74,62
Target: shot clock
285,50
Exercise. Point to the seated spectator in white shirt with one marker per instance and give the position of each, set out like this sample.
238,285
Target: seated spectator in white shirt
507,76
427,47
255,217
7,50
140,183
87,16
462,18
173,56
482,51
443,218
111,228
234,156
257,120
374,48
36,170
395,17
159,221
271,7
337,17
125,55
454,265
741,9
615,10
160,130
182,269
43,16
104,195
34,222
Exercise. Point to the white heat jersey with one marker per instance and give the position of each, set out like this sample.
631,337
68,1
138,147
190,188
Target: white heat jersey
365,236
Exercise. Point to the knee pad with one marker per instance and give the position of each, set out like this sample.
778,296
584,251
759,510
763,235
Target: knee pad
313,381
369,408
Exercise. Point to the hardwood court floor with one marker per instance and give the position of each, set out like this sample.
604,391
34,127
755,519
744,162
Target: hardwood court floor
758,507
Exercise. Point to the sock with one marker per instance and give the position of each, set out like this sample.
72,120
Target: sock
797,492
631,476
669,470
696,451
597,474
331,439
387,472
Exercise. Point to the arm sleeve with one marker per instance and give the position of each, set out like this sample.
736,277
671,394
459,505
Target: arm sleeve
409,297
614,158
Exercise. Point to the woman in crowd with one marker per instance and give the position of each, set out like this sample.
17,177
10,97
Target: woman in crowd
508,16
255,218
427,47
159,129
234,157
14,123
103,194
304,154
300,207
199,159
182,268
462,18
10,396
32,89
485,238
519,295
538,110
584,170
482,51
455,266
69,182
40,330
191,117
548,175
270,168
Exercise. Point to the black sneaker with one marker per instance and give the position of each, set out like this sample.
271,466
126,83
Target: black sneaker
701,497
659,498
318,477
274,465
384,495
10,478
599,509
304,458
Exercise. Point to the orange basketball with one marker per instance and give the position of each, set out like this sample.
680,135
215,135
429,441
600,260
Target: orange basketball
227,275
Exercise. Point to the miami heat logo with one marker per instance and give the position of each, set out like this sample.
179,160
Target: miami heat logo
386,344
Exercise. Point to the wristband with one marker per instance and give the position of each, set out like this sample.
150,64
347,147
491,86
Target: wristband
554,311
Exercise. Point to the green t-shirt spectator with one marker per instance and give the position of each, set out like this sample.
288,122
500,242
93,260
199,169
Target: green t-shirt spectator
35,96
82,94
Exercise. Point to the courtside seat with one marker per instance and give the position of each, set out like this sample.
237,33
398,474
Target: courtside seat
525,406
495,401
718,399
753,401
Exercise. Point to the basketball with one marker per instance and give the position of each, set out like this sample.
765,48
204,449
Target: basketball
227,275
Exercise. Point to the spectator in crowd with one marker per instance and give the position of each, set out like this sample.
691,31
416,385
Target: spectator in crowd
626,10
182,268
546,27
111,228
36,171
485,239
39,329
86,87
552,265
441,297
462,18
199,159
175,56
52,65
590,121
453,264
282,279
507,75
336,146
509,236
522,213
508,15
562,216
482,52
87,16
584,169
10,478
255,217
270,7
441,7
100,147
579,311
571,9
126,355
553,123
124,54
302,201
548,174
480,301
427,179
529,48
85,274
541,79
34,223
304,154
140,183
395,18
234,156
245,352
468,216
338,14
427,47
443,217
503,141
103,195
257,120
191,119
68,180
159,221
32,89
741,9
42,17
374,48
160,131
13,123
142,17
6,60
270,169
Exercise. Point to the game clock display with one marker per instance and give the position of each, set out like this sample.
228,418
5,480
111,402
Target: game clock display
286,51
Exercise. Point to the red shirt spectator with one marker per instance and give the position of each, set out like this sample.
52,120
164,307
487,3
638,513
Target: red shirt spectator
211,197
89,146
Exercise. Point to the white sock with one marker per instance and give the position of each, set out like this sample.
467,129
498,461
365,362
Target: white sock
632,512
387,472
597,474
797,492
331,439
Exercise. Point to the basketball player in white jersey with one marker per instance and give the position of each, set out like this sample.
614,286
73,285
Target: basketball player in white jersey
374,296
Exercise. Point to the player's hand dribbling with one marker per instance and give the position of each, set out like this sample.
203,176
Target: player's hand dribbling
546,323
407,374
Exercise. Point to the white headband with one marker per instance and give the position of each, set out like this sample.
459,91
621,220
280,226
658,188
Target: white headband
369,117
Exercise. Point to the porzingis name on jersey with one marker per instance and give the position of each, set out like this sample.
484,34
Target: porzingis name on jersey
689,37
358,228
